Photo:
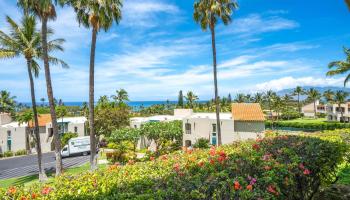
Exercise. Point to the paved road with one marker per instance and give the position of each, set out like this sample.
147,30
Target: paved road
27,165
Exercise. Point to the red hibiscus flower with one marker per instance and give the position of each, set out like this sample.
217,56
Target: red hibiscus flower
249,187
200,163
152,158
272,190
237,186
12,190
177,167
256,147
46,190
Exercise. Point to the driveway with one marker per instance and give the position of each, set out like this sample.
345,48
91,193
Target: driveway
28,165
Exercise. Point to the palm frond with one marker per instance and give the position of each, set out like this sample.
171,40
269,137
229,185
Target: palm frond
4,53
56,61
35,68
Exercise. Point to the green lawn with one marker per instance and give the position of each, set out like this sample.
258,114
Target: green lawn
344,176
27,180
308,120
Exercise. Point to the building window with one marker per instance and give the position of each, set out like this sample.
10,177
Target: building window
188,128
214,128
9,141
188,143
75,129
135,126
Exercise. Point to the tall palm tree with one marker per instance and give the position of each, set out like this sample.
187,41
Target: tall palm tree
121,96
97,15
7,102
298,91
314,95
191,98
278,104
45,11
61,112
340,67
270,95
340,98
208,13
24,40
328,95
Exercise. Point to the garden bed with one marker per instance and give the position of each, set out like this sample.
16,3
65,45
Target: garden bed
285,167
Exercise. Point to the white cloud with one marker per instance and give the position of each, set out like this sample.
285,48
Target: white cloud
291,82
145,13
256,24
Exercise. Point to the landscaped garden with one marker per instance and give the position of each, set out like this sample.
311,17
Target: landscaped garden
307,124
277,167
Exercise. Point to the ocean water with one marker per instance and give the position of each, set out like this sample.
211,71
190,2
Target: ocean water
134,104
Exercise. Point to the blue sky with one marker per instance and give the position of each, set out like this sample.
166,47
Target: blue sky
158,49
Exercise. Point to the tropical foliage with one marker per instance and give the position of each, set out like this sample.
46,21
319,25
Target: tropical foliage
284,167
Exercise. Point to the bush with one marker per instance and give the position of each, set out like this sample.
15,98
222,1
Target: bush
284,167
20,152
202,143
1,155
308,125
66,137
8,153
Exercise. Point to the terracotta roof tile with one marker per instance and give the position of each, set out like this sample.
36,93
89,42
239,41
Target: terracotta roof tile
247,112
43,120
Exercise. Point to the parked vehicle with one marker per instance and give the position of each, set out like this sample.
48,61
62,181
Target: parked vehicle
76,146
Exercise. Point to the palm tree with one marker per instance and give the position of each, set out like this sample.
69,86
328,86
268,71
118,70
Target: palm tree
340,67
207,13
328,95
7,102
298,91
278,104
191,98
314,95
348,3
258,98
45,11
26,118
25,40
240,98
42,101
61,111
270,95
340,98
121,97
97,15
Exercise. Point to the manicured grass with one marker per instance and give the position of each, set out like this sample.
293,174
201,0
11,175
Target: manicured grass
308,120
27,180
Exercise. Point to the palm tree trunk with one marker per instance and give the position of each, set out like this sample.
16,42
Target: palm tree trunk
56,136
217,103
42,175
315,109
299,107
93,156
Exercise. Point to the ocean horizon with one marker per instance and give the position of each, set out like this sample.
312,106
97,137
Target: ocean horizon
134,104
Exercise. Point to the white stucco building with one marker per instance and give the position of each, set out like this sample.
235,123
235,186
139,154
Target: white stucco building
15,136
309,109
334,112
245,122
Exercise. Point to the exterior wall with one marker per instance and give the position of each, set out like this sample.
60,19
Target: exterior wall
334,114
309,110
80,129
254,127
18,139
202,128
5,118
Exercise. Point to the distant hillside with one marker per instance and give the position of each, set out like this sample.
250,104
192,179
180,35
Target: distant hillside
320,89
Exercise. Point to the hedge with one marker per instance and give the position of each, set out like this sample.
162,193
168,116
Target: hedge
308,126
283,167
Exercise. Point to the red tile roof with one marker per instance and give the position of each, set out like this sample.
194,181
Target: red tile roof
43,120
247,112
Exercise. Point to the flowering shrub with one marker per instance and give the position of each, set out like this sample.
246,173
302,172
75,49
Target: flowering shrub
284,167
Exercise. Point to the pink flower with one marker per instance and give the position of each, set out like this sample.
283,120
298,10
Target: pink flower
177,167
212,151
307,172
301,166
